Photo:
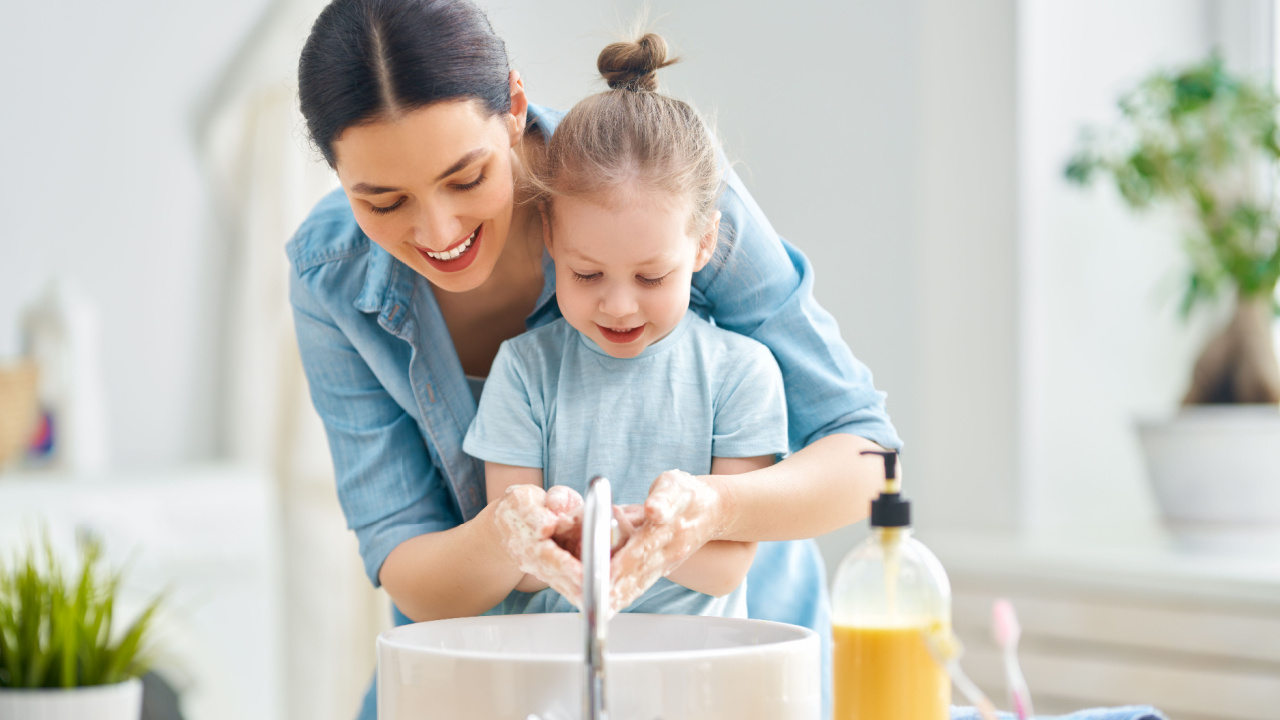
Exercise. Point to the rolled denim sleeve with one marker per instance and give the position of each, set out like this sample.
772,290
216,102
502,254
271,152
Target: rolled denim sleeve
388,487
761,286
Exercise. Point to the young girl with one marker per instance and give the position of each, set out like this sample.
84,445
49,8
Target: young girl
630,382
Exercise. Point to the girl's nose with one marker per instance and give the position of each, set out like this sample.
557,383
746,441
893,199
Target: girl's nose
618,302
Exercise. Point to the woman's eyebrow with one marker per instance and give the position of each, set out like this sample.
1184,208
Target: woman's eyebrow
464,161
363,188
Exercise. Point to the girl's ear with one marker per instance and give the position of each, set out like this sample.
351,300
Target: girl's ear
518,116
707,243
545,213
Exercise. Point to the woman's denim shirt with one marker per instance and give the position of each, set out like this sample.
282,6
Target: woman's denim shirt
387,382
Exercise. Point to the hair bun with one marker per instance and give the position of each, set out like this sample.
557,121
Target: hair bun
634,65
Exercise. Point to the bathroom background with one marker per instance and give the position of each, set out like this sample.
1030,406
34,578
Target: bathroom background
154,165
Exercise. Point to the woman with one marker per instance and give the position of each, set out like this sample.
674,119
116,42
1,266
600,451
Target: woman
405,283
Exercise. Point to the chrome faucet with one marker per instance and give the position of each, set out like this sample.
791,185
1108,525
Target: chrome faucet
598,533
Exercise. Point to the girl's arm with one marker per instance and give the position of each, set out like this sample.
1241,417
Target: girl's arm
721,565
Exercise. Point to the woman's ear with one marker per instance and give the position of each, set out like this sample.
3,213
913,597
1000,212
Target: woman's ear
518,116
707,243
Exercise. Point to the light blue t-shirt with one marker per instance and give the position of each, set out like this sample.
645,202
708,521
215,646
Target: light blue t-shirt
555,400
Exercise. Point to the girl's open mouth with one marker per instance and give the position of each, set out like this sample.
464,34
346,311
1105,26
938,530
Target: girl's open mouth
621,336
457,256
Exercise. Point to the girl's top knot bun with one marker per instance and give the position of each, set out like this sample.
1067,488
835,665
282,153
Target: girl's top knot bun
634,65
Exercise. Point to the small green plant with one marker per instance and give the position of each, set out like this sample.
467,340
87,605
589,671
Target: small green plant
1206,142
57,630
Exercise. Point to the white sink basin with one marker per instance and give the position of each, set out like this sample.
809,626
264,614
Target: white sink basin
671,667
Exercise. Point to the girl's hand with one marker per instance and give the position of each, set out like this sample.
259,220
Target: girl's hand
529,520
681,514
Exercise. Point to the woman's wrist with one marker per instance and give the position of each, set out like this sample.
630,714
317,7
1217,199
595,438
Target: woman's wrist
725,509
491,540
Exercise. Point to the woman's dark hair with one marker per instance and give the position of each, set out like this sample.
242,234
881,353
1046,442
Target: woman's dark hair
366,60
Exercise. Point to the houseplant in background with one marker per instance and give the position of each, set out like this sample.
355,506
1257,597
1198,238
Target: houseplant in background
63,655
1205,141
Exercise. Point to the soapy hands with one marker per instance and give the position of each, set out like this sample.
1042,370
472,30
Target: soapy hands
681,514
542,532
536,526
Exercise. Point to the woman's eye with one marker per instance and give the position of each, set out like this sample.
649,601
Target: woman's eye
471,185
383,210
585,278
651,282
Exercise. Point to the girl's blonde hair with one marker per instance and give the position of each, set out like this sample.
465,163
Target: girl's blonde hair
632,135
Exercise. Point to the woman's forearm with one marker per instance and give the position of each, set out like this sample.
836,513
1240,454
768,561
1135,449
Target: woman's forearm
821,488
459,572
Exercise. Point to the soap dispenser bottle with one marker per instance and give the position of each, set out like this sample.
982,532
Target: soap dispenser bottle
890,596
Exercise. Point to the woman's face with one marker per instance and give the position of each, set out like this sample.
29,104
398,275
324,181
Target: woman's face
434,187
624,267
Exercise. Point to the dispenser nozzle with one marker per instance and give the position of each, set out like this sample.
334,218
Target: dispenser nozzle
890,461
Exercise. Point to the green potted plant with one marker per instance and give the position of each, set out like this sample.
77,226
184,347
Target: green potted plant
1206,143
63,654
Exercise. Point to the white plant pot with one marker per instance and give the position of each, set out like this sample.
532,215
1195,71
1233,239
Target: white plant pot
1215,470
122,701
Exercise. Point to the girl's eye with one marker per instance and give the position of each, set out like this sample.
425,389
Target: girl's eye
585,278
471,185
388,208
651,282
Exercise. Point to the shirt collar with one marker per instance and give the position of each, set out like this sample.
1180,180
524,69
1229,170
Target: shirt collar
388,288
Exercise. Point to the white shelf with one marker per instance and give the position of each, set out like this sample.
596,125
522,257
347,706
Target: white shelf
1136,568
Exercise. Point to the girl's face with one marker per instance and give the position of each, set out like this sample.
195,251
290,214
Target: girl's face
435,187
623,268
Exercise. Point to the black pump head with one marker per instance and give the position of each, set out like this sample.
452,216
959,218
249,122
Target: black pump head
890,509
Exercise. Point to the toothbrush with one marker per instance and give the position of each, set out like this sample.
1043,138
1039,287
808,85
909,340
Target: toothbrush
946,650
1007,631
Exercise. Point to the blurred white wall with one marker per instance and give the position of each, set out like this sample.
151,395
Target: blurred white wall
101,185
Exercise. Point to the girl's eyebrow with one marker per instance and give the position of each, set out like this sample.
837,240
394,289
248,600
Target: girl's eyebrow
579,255
363,188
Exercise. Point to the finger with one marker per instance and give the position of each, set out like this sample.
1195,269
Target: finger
667,495
634,514
564,500
625,527
558,569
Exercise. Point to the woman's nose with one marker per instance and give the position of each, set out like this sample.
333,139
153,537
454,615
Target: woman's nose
434,227
618,302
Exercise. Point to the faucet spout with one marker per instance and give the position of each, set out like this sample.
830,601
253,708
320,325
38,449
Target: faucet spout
597,542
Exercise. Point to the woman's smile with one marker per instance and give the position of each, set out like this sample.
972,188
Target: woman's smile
457,256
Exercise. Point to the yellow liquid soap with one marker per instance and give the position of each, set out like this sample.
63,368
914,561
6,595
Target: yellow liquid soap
887,673
892,567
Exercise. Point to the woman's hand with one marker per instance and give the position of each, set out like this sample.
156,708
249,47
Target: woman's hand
681,514
532,523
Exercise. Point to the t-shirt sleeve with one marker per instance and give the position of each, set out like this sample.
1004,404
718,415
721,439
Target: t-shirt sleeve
750,408
505,429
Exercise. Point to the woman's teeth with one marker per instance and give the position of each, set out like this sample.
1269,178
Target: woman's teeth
451,254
